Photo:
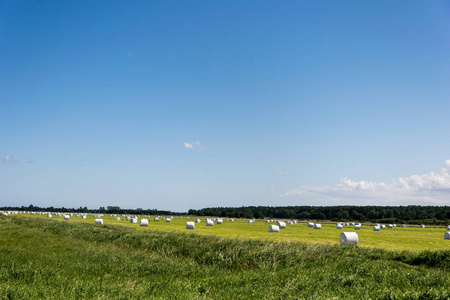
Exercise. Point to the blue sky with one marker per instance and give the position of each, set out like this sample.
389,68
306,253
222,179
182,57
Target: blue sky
190,104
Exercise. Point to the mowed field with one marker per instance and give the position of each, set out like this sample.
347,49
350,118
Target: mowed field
52,258
411,238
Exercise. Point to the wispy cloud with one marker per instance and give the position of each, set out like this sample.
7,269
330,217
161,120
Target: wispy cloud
194,145
8,159
282,173
428,189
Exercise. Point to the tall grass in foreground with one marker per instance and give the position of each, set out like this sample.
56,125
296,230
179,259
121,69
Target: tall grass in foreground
43,258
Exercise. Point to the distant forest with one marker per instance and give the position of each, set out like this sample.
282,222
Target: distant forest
388,214
103,210
385,214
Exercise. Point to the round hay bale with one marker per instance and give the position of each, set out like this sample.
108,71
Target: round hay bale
390,226
232,220
317,226
403,225
219,221
274,228
66,217
198,220
143,223
118,218
348,238
49,215
447,235
376,228
310,224
190,225
422,226
156,219
133,220
281,224
357,226
383,226
209,223
99,221
338,226
168,220
448,227
84,217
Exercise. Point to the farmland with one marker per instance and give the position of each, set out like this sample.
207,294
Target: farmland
411,238
52,258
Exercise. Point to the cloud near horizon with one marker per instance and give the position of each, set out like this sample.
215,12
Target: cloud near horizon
194,145
427,189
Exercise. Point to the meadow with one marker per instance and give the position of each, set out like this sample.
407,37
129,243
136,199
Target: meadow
411,238
52,258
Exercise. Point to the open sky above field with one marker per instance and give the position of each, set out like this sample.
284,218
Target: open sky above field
190,104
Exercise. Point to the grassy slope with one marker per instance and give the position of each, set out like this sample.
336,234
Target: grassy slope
411,238
53,259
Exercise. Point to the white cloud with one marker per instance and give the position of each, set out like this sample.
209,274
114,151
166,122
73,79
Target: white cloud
427,189
282,173
8,159
194,145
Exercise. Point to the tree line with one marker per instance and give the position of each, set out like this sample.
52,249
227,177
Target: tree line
103,210
388,214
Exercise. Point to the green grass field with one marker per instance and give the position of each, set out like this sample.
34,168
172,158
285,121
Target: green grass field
45,258
412,238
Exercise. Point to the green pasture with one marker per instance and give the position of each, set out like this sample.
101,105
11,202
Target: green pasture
411,238
43,258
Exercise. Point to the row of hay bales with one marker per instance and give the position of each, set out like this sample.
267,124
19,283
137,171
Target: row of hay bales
209,221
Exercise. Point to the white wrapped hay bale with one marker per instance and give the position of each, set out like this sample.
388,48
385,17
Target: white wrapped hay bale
143,223
219,221
66,217
317,226
348,238
310,224
422,226
156,219
338,226
383,226
403,225
274,228
133,220
190,225
49,215
209,222
447,235
84,217
198,221
376,228
448,227
99,221
390,226
118,218
168,220
281,224
232,220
